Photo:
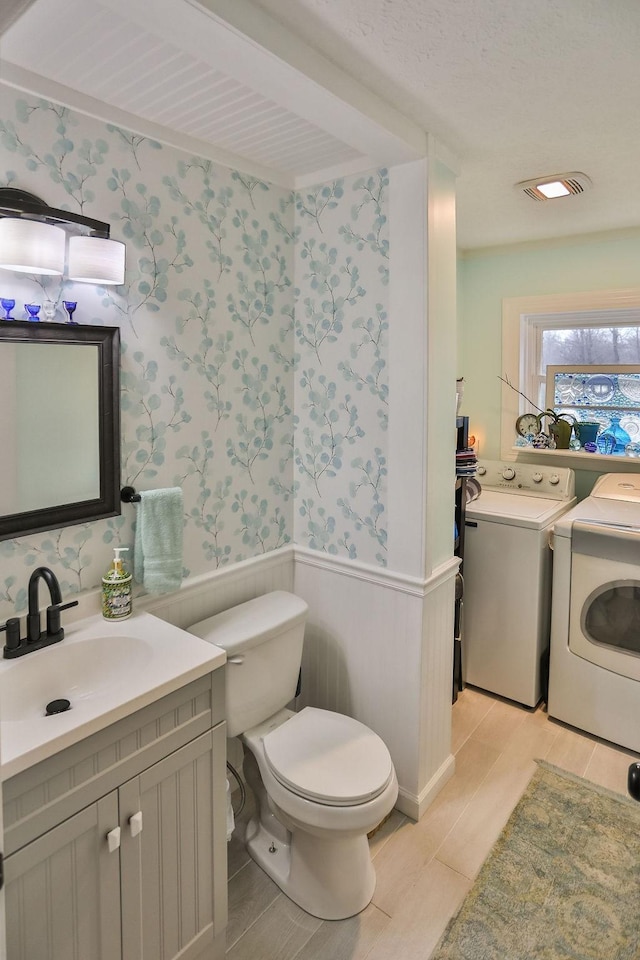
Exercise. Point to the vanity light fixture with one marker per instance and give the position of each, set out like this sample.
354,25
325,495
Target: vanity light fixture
556,185
33,240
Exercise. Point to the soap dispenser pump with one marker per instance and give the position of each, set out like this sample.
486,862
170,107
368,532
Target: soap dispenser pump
117,589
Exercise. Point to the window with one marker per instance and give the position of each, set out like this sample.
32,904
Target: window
579,354
609,397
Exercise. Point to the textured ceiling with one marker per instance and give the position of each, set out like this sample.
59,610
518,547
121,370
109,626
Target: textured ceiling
516,88
513,88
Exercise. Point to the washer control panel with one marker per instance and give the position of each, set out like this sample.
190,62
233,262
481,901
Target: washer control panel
527,479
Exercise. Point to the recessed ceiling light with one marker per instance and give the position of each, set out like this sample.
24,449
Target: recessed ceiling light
557,185
554,189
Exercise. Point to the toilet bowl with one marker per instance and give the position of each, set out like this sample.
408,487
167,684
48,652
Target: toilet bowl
322,781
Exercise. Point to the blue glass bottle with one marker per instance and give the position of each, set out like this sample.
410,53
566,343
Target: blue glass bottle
614,439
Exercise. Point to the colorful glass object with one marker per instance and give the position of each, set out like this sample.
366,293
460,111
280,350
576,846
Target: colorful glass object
621,436
7,306
70,306
33,309
614,440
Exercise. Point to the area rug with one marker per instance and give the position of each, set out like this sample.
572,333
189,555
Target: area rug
561,883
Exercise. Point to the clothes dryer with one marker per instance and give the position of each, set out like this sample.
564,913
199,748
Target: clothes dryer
595,634
507,577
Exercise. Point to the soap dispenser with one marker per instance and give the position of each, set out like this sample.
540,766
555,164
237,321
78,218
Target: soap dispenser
117,589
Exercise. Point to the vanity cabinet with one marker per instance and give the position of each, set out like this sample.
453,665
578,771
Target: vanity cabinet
62,890
117,845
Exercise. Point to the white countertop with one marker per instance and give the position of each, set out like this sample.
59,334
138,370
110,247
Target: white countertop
107,670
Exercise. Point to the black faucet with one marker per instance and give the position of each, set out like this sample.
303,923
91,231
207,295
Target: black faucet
35,639
33,617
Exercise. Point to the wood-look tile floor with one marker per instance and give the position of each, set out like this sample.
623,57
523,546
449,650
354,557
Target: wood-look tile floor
424,869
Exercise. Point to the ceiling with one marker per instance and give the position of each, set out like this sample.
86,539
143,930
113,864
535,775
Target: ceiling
513,89
516,88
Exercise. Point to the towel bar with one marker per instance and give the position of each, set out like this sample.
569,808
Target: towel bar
129,495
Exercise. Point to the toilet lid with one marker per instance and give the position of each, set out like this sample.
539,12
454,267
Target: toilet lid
328,758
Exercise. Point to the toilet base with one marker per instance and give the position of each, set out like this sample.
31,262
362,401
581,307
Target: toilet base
330,879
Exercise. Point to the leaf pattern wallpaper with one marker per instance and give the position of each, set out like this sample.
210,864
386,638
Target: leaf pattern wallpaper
253,325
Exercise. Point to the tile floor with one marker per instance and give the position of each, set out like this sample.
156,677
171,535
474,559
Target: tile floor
423,869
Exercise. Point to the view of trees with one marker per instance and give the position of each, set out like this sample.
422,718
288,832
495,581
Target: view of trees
595,345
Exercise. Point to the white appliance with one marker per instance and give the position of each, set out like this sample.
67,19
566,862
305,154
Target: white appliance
595,632
507,576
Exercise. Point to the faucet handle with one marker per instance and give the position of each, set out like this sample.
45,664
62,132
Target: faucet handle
12,627
53,617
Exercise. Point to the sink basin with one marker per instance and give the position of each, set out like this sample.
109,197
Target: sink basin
79,671
106,670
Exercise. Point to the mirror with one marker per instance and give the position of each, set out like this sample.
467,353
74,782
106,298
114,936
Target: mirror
59,425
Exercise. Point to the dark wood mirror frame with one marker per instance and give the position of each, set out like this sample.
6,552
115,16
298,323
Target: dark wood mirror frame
107,340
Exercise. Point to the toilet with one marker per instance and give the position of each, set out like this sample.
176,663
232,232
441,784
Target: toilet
322,781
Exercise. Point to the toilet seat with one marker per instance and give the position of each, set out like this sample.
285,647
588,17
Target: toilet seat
328,758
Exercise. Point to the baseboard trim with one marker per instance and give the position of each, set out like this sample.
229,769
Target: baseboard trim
413,805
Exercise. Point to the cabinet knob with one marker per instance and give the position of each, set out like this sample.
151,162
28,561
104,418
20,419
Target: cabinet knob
135,822
113,839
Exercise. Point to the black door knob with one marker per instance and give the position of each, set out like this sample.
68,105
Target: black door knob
633,780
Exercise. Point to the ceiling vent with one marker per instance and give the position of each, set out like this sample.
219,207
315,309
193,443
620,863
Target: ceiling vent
554,186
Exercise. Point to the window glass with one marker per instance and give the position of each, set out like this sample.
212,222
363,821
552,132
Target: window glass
593,333
591,373
610,398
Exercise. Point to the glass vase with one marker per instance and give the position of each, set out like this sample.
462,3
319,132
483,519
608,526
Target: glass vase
614,439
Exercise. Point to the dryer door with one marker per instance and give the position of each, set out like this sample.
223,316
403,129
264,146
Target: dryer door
604,613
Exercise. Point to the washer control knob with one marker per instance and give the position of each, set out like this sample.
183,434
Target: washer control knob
508,473
482,471
537,478
554,479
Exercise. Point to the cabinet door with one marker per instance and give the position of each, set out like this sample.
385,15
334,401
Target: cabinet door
173,887
63,891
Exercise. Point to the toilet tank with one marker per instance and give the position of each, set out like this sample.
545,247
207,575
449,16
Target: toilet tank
263,639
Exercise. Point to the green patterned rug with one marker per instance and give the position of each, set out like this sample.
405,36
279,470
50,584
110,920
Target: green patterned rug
561,883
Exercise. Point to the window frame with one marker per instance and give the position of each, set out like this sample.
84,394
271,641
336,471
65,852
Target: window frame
522,321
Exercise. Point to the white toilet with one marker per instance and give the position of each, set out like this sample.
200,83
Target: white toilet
322,780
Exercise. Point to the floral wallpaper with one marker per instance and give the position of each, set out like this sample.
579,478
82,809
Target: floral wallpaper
253,324
341,405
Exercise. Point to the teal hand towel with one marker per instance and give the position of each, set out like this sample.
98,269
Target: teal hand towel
157,558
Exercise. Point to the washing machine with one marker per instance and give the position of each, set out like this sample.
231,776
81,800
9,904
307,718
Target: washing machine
594,679
507,577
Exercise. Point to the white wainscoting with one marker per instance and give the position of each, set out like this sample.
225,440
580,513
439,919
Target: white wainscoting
379,647
203,596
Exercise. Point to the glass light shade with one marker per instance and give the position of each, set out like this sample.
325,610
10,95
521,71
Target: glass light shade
30,246
96,260
553,189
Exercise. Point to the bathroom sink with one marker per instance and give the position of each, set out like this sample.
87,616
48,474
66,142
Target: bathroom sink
105,670
76,672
